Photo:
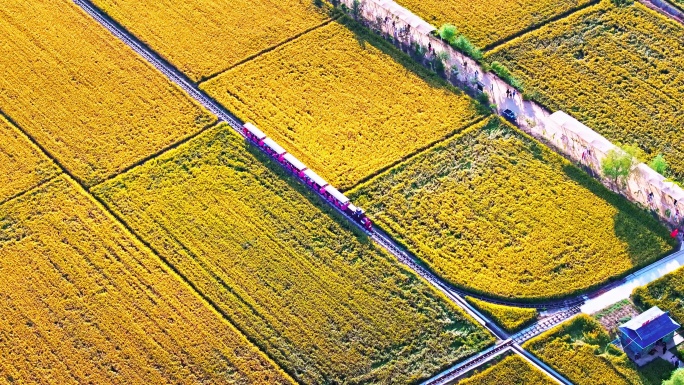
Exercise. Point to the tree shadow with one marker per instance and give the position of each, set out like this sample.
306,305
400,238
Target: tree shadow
631,224
313,198
366,37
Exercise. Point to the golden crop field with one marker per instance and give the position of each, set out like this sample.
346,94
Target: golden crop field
511,319
512,370
318,296
205,37
81,302
489,21
22,165
666,293
343,101
496,212
619,70
88,99
580,350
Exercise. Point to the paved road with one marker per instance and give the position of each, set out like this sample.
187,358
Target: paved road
642,277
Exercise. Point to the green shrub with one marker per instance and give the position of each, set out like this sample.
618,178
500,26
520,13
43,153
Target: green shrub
505,74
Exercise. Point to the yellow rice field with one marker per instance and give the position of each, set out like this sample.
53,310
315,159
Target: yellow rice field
496,212
318,297
512,370
511,319
619,70
343,101
666,293
88,99
22,165
81,302
485,22
204,37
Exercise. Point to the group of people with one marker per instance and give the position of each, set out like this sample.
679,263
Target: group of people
510,94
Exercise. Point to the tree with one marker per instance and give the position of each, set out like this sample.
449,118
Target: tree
357,8
659,164
617,165
448,32
676,379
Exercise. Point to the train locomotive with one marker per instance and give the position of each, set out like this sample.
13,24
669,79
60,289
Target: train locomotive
306,175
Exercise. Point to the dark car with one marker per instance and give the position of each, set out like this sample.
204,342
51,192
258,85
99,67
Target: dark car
509,115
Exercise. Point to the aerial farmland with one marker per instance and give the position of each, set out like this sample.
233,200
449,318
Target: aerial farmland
341,192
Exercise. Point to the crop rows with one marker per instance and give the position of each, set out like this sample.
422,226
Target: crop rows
80,302
343,101
494,211
488,21
204,37
580,351
319,298
512,370
619,70
86,97
22,166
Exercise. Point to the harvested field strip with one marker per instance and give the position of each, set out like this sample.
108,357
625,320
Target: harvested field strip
82,302
487,22
22,165
579,349
512,370
318,297
214,35
343,101
622,74
495,212
85,96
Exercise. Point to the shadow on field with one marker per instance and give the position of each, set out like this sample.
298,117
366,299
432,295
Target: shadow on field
631,224
366,37
304,190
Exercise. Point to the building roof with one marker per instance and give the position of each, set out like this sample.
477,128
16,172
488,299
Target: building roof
648,327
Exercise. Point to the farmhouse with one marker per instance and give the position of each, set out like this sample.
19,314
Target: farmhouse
648,335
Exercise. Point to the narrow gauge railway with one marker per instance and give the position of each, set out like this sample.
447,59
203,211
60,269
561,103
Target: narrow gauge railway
306,175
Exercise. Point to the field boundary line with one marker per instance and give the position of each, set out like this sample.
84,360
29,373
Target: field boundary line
264,51
534,27
160,152
30,189
417,152
133,235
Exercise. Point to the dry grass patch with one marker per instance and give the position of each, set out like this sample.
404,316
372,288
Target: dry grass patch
22,165
619,70
204,37
324,301
343,101
496,212
81,302
487,21
87,98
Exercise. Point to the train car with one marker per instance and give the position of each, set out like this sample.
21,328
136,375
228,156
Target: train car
359,215
294,164
336,197
315,181
253,133
274,149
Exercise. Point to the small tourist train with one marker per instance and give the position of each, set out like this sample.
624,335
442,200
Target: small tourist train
307,176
